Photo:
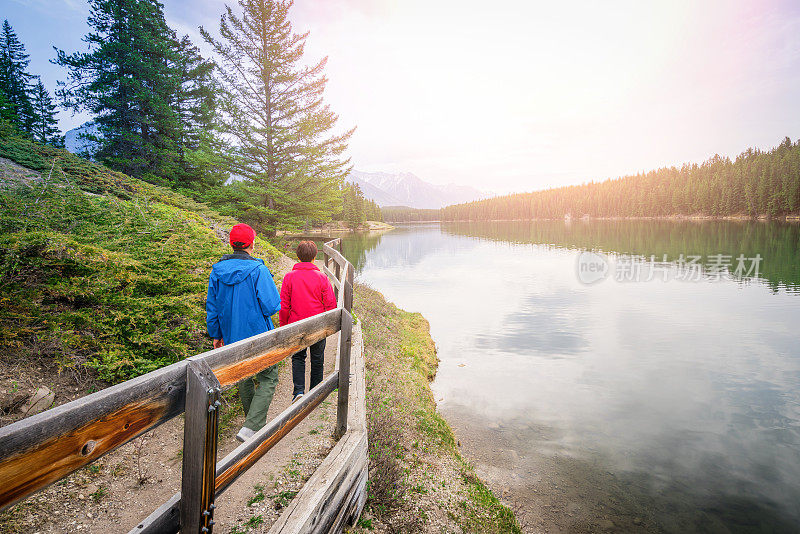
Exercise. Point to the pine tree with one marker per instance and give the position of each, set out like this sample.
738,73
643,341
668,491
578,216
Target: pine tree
354,206
285,150
348,206
128,82
45,127
200,148
15,81
7,112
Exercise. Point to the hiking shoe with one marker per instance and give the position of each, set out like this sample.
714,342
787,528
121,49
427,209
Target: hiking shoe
245,434
299,395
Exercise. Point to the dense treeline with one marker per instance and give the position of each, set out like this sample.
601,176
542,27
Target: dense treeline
246,131
401,214
356,210
756,183
24,101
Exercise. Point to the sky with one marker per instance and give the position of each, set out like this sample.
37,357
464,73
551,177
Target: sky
519,95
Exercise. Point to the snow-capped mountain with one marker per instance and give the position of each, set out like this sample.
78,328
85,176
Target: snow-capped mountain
407,189
76,142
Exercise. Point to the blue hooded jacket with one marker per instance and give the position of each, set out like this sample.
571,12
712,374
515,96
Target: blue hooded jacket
241,298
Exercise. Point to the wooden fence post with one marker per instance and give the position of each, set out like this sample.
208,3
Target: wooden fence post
337,272
347,287
337,269
199,448
345,339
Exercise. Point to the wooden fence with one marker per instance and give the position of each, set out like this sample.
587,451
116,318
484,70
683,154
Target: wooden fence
44,448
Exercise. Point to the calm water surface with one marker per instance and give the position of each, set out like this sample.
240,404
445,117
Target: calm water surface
660,398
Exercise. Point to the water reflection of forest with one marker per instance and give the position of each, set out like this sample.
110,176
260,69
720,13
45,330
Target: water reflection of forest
356,245
777,243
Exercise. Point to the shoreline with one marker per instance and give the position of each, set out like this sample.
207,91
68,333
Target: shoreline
419,479
370,226
695,218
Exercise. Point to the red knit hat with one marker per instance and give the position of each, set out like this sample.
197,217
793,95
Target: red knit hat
242,236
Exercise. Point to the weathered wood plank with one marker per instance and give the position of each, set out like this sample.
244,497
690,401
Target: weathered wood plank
199,447
336,256
345,337
317,505
347,296
340,508
239,360
332,249
360,497
336,493
357,412
166,519
349,509
347,301
336,283
39,450
246,454
356,422
337,291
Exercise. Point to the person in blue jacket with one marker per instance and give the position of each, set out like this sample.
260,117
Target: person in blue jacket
241,298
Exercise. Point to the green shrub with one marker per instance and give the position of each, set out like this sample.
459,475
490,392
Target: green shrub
114,280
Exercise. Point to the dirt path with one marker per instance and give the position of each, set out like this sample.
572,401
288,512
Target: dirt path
126,485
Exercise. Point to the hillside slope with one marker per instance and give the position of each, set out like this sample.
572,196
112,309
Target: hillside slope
100,271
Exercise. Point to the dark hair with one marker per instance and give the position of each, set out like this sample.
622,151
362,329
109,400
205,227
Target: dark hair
306,251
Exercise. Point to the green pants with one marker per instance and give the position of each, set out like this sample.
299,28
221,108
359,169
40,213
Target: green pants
257,398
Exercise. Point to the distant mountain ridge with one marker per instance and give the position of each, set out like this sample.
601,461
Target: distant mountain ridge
76,142
407,189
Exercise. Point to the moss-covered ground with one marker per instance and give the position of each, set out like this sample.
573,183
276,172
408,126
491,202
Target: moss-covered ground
99,270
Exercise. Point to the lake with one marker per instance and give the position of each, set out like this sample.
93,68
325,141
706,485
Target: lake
630,376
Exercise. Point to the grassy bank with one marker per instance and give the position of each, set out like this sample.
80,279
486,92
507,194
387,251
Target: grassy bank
418,480
100,273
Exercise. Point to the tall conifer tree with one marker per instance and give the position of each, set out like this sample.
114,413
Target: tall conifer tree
45,127
127,81
7,111
15,81
285,146
201,151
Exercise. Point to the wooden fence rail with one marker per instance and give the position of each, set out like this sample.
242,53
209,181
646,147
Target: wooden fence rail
44,448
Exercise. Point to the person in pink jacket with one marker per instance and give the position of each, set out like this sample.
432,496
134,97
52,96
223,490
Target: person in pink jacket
305,291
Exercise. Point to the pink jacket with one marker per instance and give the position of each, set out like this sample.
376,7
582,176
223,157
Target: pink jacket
305,291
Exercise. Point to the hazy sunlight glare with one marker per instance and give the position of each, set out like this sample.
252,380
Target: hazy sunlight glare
521,95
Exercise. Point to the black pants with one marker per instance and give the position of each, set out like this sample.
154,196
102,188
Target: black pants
299,367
